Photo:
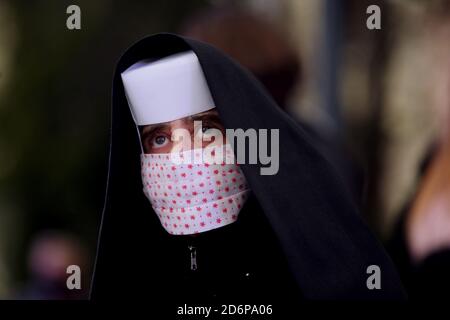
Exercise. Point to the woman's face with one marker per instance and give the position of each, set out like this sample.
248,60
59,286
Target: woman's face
164,137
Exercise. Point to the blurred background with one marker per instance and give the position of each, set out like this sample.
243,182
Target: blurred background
377,103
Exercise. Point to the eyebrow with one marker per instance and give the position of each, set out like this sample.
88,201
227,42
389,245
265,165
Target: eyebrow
211,114
150,129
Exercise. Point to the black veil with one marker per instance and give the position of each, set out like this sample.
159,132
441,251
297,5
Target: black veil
326,243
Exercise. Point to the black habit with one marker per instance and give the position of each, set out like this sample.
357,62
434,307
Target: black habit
298,237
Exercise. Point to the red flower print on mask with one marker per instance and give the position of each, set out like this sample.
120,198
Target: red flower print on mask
198,209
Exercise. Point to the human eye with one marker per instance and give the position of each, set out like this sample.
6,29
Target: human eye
208,129
159,140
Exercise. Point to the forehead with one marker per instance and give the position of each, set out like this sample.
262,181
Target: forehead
196,117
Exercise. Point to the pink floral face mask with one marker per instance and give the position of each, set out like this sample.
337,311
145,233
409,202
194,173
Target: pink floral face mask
193,196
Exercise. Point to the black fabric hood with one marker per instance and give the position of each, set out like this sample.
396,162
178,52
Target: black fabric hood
327,245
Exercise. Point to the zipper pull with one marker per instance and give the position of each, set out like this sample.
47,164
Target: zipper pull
193,251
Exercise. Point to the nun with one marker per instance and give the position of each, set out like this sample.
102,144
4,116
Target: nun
221,233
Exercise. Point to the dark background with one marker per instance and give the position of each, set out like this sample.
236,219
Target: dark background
369,88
